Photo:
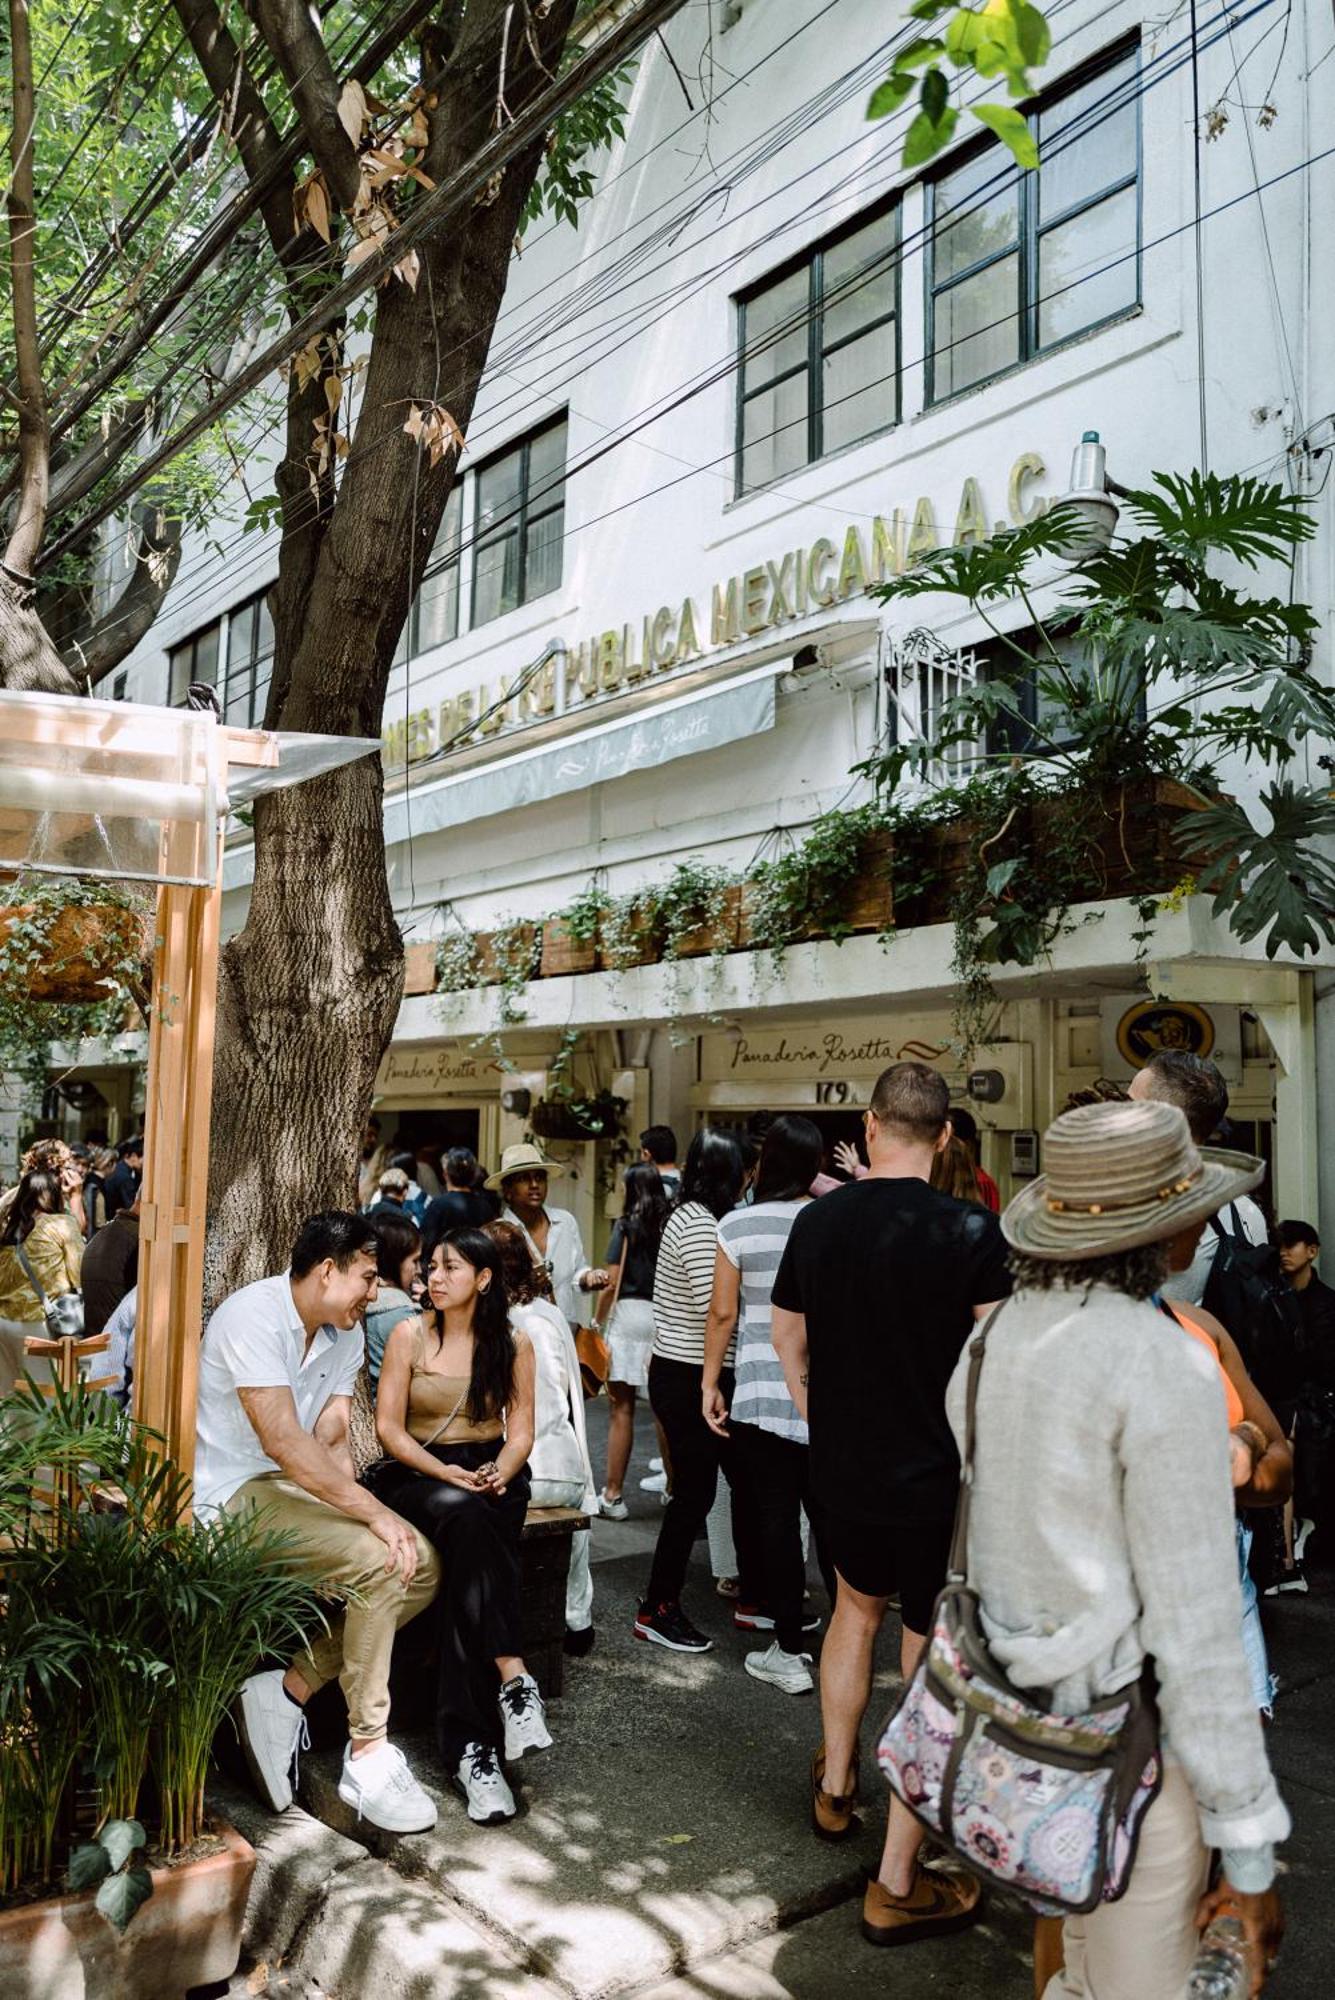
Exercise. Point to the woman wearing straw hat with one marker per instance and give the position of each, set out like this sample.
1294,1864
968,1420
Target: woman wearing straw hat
553,1233
1102,1527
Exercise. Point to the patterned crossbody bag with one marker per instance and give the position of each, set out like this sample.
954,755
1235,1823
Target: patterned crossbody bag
1047,1805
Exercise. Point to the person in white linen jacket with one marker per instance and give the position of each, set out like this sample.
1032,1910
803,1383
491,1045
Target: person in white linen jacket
553,1234
559,1463
1101,1529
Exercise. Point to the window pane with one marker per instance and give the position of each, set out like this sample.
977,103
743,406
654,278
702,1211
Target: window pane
205,664
178,672
447,535
546,466
542,565
1085,146
983,197
858,387
774,432
257,706
859,279
263,628
438,609
237,706
785,305
1075,288
498,490
977,329
496,578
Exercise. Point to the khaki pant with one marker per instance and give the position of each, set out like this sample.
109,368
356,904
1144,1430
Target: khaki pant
343,1557
1141,1947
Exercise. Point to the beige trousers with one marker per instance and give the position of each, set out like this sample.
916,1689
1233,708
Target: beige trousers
345,1559
1141,1947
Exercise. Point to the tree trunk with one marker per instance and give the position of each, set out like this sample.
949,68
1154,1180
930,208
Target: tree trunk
29,663
310,989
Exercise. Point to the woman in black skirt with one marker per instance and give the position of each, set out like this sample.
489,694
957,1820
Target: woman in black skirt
454,1411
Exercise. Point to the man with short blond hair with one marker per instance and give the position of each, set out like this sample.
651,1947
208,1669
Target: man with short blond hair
880,1284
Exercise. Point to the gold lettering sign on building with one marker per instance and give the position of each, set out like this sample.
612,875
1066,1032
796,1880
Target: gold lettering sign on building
785,587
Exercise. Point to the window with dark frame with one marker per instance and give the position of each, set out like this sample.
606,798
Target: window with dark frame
1035,729
1021,261
819,347
435,614
195,659
249,661
519,529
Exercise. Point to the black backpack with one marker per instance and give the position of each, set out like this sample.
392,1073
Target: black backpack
1248,1293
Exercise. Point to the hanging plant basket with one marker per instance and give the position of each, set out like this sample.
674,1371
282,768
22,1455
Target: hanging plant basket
78,952
507,957
720,935
578,1118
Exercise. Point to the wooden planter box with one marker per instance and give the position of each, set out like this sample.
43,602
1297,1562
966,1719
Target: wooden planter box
720,936
640,944
1132,834
563,954
943,853
872,904
187,1934
519,945
419,968
83,939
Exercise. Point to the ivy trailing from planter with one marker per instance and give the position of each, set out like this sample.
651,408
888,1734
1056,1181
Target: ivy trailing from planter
74,958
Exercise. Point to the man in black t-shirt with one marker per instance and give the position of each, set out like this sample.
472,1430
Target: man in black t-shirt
880,1285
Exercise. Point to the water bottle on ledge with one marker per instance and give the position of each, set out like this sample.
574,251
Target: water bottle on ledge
1219,1970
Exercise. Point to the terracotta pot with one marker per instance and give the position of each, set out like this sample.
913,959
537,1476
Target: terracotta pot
83,939
419,968
187,1934
720,936
521,943
563,954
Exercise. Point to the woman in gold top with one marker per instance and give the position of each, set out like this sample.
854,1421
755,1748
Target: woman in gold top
454,1411
49,1239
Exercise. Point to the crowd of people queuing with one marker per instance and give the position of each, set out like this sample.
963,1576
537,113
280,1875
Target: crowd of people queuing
402,1394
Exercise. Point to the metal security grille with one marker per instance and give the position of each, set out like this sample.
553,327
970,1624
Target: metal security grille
924,674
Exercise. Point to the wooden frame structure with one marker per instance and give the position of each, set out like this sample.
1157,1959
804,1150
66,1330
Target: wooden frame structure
72,763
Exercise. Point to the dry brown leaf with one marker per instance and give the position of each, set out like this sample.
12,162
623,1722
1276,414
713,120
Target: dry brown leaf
333,391
415,422
259,1978
364,247
353,110
416,132
306,361
418,175
310,204
409,269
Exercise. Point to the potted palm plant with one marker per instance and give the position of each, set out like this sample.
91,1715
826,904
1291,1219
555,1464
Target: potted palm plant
126,1634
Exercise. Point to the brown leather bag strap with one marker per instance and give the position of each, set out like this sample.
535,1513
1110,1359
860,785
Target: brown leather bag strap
958,1567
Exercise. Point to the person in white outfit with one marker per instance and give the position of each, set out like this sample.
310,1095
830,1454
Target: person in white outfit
559,1462
1198,1090
553,1234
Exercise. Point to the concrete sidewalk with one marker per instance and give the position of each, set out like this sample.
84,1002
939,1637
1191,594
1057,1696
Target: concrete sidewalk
664,1848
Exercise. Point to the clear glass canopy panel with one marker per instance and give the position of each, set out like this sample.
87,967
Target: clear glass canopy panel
108,790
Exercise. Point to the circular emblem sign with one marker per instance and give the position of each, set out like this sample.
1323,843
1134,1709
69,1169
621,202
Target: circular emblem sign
1153,1026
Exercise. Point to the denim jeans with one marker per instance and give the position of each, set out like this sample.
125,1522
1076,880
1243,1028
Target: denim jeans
1263,1681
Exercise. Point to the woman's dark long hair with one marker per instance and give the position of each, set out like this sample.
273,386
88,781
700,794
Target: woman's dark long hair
396,1237
491,1383
39,1193
647,1208
713,1172
790,1157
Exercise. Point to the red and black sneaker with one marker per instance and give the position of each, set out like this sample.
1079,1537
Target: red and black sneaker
668,1625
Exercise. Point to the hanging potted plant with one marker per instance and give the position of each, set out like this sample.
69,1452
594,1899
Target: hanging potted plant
74,962
124,1640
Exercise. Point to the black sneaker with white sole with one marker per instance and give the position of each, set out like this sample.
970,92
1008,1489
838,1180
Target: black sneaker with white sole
668,1625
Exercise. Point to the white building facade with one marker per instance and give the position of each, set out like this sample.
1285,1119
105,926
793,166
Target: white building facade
768,369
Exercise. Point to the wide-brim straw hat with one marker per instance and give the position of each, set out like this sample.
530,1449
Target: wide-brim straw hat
1118,1176
520,1160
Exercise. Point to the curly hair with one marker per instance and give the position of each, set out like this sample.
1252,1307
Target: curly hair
524,1280
1139,1272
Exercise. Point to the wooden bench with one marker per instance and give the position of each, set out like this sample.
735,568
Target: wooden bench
544,1558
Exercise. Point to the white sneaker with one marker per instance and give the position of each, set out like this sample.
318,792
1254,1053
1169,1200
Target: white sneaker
272,1728
525,1717
384,1791
1305,1528
789,1671
482,1782
655,1483
655,1465
613,1510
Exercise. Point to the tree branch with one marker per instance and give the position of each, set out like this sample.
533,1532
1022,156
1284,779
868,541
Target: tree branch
34,434
292,32
117,633
221,59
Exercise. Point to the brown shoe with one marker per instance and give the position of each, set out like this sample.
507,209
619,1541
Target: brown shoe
936,1904
832,1816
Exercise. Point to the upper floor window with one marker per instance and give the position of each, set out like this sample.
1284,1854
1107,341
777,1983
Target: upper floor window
249,661
520,525
435,613
819,351
195,659
1018,262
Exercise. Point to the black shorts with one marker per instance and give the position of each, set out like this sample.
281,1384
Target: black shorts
906,1557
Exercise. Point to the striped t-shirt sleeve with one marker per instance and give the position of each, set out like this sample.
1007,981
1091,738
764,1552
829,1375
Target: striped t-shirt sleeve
754,1240
683,1283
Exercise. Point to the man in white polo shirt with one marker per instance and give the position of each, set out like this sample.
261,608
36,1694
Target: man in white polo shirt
278,1366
